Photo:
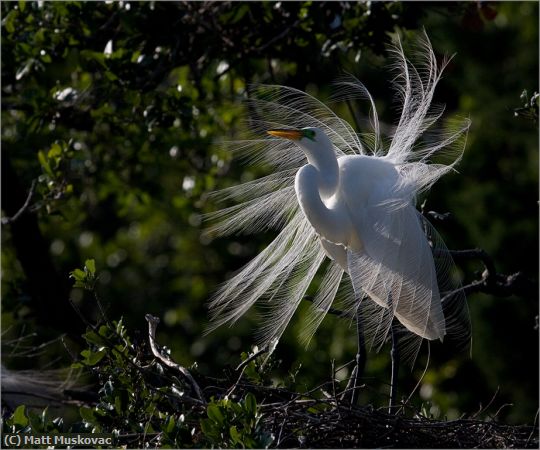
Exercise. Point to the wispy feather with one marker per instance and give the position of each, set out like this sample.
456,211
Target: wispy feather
278,278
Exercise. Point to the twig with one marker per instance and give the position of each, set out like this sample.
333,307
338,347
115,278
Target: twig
501,408
243,366
24,207
482,409
281,430
533,428
81,315
152,325
252,357
476,253
500,286
438,216
276,38
491,282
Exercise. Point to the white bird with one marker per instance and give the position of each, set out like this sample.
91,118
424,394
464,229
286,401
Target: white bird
350,204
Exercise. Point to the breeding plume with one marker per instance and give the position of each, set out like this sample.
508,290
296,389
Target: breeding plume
345,206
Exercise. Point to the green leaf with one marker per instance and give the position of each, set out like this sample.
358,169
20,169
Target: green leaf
250,404
237,408
9,21
208,428
45,164
35,422
240,13
120,402
19,416
94,338
111,76
39,36
78,275
87,414
54,151
91,266
235,435
215,414
92,358
169,426
135,56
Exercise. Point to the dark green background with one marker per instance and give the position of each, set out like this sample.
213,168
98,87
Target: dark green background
129,152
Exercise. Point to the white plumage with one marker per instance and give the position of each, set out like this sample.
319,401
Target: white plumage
353,202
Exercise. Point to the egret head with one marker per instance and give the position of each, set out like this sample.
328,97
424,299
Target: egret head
313,141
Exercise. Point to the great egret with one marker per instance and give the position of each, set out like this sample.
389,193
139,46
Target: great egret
353,203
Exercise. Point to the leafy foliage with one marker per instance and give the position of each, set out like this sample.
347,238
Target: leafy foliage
141,403
25,420
135,396
235,425
86,277
530,106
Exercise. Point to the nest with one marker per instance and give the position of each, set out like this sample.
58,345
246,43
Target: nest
363,427
317,419
298,420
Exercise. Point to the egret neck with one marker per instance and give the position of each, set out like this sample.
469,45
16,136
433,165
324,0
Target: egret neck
325,162
317,187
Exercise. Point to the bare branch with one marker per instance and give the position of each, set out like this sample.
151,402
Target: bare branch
476,253
152,325
24,207
255,355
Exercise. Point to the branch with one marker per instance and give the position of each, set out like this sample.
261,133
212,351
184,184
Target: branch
476,253
152,325
24,207
255,355
491,282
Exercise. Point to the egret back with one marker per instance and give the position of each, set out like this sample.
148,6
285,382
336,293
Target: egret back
395,267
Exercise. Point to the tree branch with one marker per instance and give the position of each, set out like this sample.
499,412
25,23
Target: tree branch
24,207
152,325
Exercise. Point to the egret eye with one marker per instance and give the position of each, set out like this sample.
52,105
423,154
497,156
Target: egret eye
310,134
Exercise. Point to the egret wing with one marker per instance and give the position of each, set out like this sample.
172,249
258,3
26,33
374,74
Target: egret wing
396,269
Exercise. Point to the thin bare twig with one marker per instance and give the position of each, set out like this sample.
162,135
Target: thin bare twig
24,207
152,325
243,365
482,409
252,357
533,428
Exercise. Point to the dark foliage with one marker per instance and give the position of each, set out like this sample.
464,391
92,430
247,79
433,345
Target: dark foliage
110,117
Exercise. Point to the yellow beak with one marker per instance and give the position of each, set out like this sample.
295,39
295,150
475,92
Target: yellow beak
293,135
